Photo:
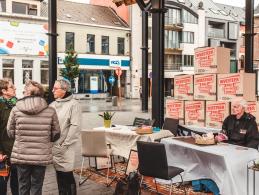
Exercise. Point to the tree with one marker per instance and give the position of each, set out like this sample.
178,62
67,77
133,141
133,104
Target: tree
71,70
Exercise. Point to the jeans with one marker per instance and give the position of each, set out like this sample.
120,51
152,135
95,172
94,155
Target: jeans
30,179
66,183
13,182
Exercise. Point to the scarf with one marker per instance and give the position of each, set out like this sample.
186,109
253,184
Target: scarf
10,103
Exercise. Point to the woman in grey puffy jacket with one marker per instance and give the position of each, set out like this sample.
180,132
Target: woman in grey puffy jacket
34,126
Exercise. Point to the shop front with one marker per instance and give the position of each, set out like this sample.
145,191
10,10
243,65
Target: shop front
95,71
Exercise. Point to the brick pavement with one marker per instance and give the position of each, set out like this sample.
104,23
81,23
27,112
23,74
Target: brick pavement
124,115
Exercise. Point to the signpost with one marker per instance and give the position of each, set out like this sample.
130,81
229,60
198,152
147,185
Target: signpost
118,72
111,81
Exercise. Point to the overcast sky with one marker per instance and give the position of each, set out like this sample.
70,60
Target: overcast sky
239,3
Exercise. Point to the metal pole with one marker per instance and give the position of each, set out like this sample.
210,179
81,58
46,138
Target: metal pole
52,13
158,11
249,36
144,61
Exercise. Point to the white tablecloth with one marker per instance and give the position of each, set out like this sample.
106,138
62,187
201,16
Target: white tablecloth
225,164
123,138
198,129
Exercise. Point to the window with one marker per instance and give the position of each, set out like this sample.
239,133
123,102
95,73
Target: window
44,72
187,37
173,16
27,66
32,10
90,48
8,69
105,45
173,62
232,30
172,39
121,46
189,18
19,8
2,5
188,60
149,33
23,8
149,58
70,41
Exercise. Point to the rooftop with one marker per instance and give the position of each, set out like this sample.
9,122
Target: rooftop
85,14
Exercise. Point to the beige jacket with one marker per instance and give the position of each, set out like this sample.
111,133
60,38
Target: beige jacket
34,126
64,149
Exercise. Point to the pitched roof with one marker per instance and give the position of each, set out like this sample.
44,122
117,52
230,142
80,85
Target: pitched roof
86,14
211,9
238,13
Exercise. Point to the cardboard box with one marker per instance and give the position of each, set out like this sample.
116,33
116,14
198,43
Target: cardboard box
205,87
175,109
212,60
194,113
236,85
183,87
216,112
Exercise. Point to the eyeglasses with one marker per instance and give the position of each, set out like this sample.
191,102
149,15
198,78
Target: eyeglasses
56,88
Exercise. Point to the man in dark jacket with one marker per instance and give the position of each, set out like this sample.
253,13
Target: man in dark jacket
240,127
7,102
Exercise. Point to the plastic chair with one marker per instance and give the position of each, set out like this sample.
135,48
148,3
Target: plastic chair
153,162
171,125
94,145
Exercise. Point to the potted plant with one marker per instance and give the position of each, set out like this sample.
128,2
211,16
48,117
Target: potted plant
107,116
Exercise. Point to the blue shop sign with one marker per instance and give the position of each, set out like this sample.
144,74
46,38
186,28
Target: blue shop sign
99,62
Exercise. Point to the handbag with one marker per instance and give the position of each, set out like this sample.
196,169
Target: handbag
4,169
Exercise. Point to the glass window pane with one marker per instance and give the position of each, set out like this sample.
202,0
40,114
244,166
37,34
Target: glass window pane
70,41
121,46
44,77
32,11
90,43
27,64
44,64
19,8
2,5
44,72
8,68
27,75
8,63
149,33
105,45
8,73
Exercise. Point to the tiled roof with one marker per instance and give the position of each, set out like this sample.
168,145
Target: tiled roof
85,14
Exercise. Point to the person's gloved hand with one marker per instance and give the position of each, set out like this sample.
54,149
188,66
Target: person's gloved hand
2,157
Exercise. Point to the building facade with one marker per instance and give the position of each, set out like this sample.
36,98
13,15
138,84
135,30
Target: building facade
23,42
188,24
96,33
102,41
